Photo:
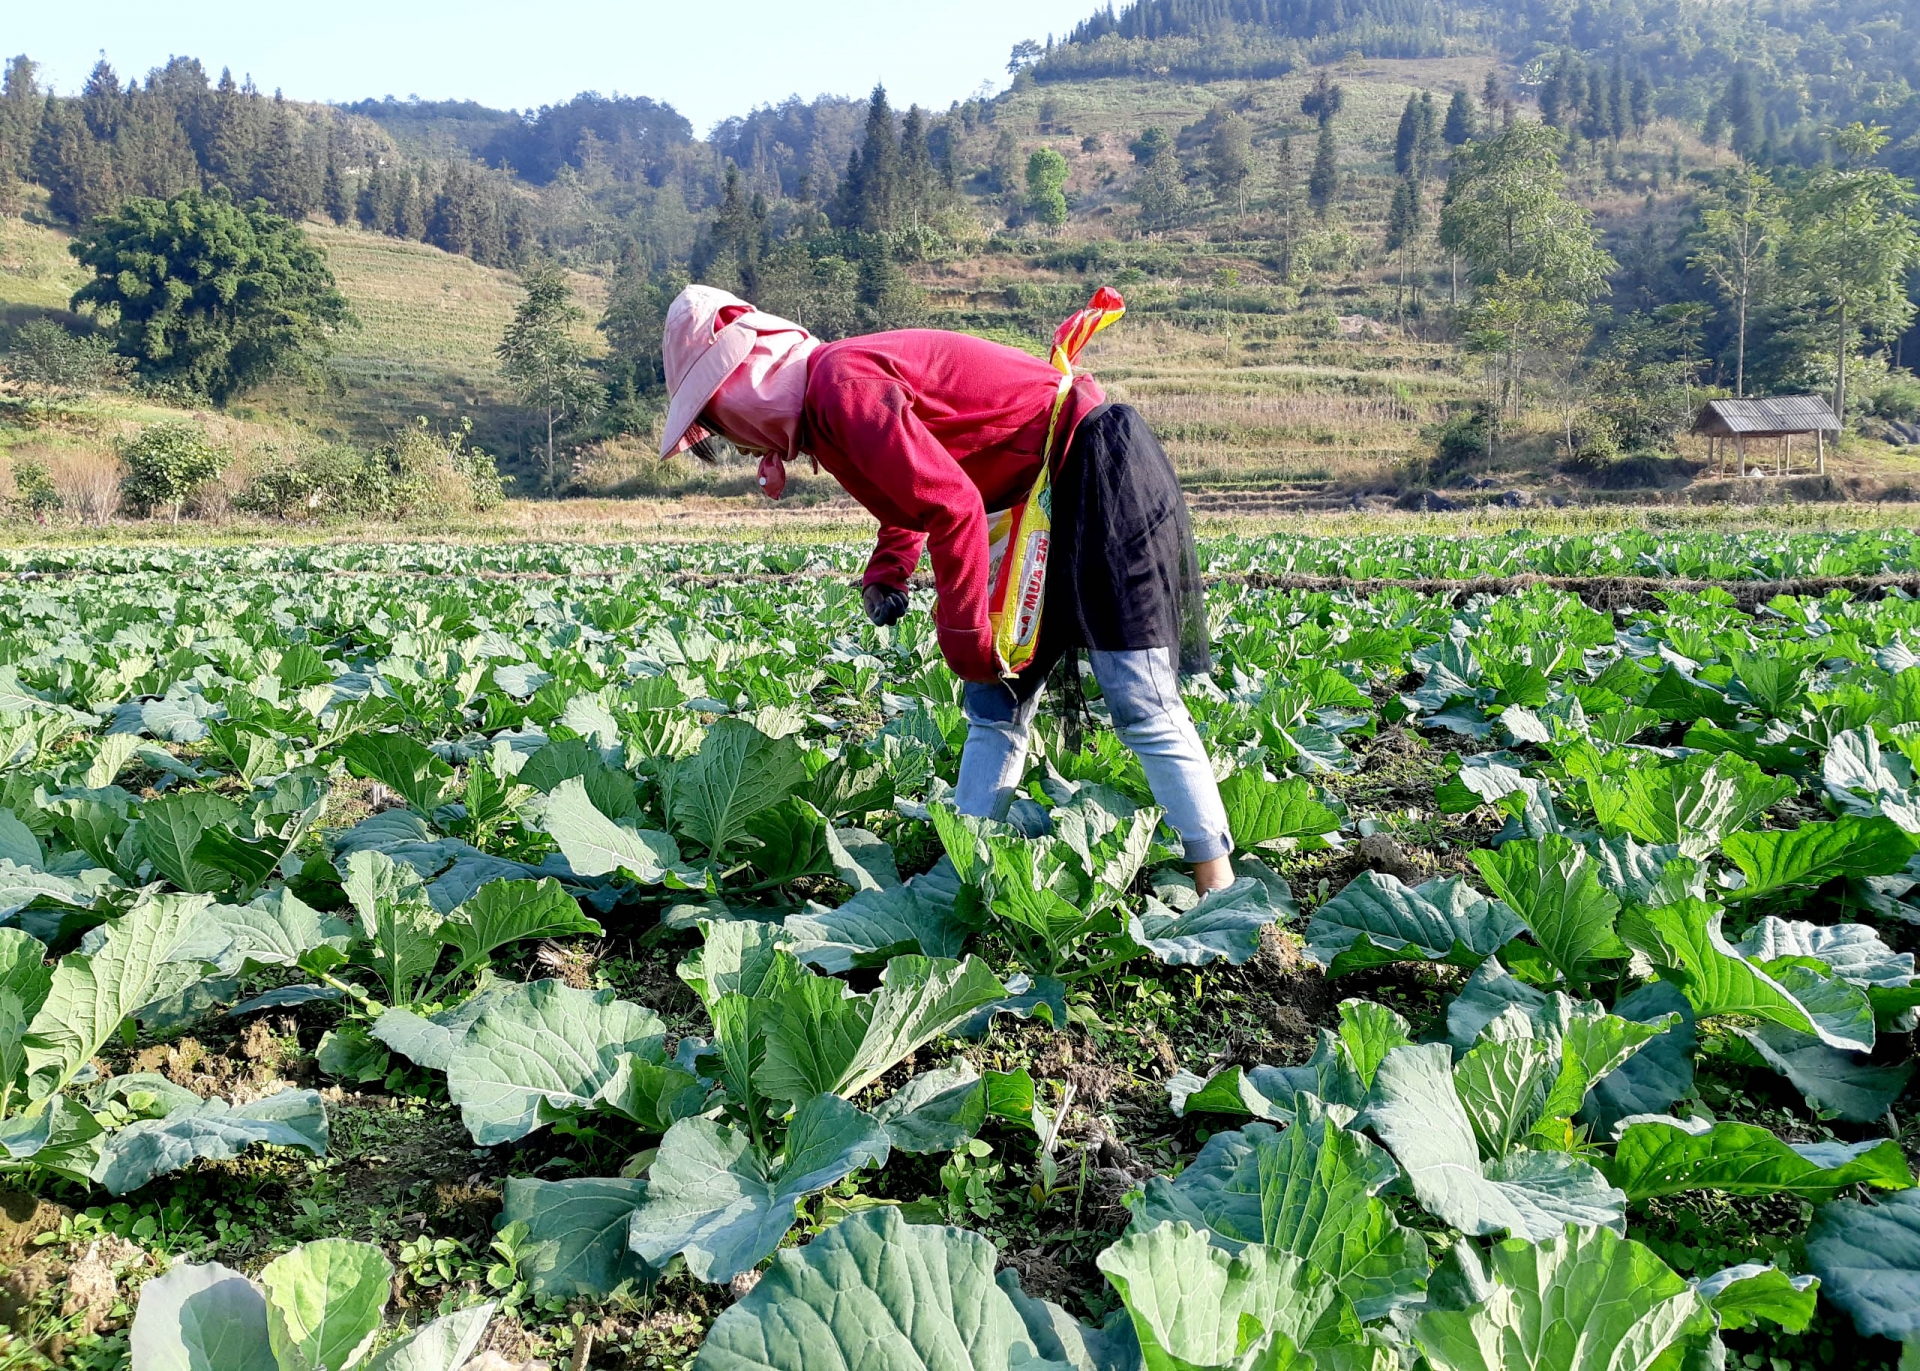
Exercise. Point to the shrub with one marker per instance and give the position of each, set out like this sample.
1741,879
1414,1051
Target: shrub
423,471
166,462
1458,443
87,484
1046,179
434,471
49,358
34,494
1896,397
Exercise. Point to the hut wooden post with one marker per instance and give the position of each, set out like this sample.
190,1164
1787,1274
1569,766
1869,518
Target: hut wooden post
1781,418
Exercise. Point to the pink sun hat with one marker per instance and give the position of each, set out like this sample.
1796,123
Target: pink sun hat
709,334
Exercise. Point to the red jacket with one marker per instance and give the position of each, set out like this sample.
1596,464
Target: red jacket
929,430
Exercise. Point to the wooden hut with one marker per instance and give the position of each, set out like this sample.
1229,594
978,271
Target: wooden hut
1782,418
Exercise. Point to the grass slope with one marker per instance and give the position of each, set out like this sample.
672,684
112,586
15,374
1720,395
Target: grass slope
428,324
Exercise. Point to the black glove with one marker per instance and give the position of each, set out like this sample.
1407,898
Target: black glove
884,604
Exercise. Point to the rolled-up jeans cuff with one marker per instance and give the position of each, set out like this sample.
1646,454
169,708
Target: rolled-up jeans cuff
1207,847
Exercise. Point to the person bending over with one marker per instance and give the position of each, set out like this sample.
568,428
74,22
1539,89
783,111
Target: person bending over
930,431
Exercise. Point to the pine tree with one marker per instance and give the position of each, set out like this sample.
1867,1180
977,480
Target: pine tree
1492,97
373,206
868,193
1640,101
231,135
1406,138
1598,123
1459,126
101,102
1559,101
1427,149
1617,99
73,165
1403,230
281,175
450,226
917,177
333,186
1324,179
409,217
1746,124
543,361
887,296
1003,168
733,242
21,107
151,152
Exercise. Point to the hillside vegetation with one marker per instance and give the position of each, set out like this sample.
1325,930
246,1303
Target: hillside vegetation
1267,182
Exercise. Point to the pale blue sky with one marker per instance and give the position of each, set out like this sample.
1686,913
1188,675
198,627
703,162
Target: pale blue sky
708,58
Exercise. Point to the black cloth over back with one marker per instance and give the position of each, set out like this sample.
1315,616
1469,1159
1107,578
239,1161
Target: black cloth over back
1123,572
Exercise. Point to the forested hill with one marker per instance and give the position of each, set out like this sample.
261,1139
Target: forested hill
627,174
1806,61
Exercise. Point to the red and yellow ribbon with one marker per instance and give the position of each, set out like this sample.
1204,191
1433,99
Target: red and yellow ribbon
1106,307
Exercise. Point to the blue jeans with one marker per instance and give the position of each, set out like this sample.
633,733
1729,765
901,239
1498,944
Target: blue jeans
1142,692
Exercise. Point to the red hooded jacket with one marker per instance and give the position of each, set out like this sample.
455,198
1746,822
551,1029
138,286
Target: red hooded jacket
929,430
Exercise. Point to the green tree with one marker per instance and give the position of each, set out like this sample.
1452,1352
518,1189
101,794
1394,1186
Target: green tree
887,296
167,463
1230,159
1737,243
821,294
1324,179
1046,182
544,362
1599,116
333,189
1532,254
1324,99
207,294
1459,125
634,325
732,248
1854,241
1003,167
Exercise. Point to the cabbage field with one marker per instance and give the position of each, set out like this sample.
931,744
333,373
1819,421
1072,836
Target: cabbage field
421,957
